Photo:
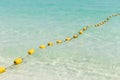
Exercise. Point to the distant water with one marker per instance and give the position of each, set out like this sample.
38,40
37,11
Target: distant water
26,24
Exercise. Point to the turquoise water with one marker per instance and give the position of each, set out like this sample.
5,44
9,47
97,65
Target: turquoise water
26,24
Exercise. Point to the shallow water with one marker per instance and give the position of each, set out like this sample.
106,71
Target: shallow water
27,24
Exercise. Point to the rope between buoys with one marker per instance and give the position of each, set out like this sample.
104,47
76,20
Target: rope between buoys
19,60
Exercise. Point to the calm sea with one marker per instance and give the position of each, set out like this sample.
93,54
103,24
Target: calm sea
26,24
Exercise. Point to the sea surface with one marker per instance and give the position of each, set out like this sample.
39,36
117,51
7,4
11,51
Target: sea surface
26,24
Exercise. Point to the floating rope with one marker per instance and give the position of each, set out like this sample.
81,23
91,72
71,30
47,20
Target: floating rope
19,60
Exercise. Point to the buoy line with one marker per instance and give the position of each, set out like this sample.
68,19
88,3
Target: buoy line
19,60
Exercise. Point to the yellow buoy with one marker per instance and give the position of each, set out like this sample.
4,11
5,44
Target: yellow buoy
68,39
50,44
31,51
18,61
110,16
85,28
75,36
2,69
103,22
114,15
80,32
98,24
42,46
107,19
59,41
95,25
